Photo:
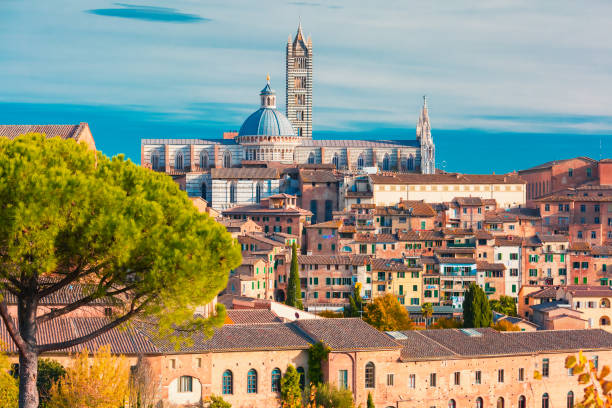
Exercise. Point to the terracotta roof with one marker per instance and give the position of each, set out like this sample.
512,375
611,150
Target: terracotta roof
259,209
544,293
374,238
379,264
419,209
448,178
486,266
458,250
457,231
62,131
252,316
468,200
262,238
489,201
554,238
462,261
574,198
244,173
482,235
495,217
602,250
66,295
589,291
346,334
580,246
509,240
358,194
420,236
549,164
333,259
334,224
318,176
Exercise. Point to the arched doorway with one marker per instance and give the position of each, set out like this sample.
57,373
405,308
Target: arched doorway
500,402
522,402
604,321
280,295
185,390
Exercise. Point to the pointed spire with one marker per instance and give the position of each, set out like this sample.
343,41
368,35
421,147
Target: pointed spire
299,34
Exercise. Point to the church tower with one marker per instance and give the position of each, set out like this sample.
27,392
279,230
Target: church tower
423,135
299,84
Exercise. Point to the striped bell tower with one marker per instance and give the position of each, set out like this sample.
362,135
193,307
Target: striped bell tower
299,84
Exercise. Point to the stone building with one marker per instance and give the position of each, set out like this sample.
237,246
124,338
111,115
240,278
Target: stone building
79,133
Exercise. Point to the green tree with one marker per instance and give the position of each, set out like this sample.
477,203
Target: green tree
387,314
329,396
427,312
355,306
9,390
476,309
294,291
370,401
127,236
505,305
291,393
317,353
504,325
49,372
216,401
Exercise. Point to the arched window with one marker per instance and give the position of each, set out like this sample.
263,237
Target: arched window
311,158
479,403
302,374
604,303
276,377
204,191
227,160
258,189
522,402
185,384
347,249
203,160
500,402
386,163
228,382
369,375
232,192
410,165
252,381
360,162
545,400
604,321
154,161
336,160
452,404
178,161
570,399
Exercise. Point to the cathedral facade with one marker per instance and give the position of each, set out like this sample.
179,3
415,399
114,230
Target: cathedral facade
269,136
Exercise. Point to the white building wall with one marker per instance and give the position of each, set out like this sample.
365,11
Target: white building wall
245,192
510,281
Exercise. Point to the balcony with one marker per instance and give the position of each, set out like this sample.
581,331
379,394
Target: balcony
468,245
489,290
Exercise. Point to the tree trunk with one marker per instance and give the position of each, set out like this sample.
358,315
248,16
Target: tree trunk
28,358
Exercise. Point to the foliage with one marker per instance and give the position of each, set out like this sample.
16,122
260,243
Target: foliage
216,401
427,312
446,323
127,236
598,390
97,382
355,306
476,309
49,372
504,325
291,394
330,314
317,353
370,401
9,390
329,396
506,305
294,291
386,313
143,386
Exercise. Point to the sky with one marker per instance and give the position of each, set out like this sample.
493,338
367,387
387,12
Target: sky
510,84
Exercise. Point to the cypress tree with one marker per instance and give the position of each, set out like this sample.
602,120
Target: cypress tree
294,291
476,308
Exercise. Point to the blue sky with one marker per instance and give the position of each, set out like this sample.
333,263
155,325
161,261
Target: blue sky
509,83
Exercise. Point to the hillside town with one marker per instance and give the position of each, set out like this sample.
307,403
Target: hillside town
366,219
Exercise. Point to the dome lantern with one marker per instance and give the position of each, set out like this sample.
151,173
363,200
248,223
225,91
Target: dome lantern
268,96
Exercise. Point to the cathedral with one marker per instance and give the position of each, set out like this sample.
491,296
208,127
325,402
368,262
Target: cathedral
284,139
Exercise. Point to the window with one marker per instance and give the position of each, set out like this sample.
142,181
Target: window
311,158
582,208
302,374
336,160
477,377
203,160
593,234
570,395
545,401
500,376
360,162
386,163
178,161
232,192
154,161
479,403
204,190
545,367
185,384
514,257
457,378
369,375
343,379
570,172
227,160
412,381
390,380
500,402
522,402
596,361
452,404
252,381
228,382
432,379
276,377
521,374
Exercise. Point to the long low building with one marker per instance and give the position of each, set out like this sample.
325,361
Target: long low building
427,368
389,189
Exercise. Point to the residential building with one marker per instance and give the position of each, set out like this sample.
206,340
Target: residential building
79,133
400,278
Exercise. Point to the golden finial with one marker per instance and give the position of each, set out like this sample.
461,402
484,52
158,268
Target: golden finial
268,77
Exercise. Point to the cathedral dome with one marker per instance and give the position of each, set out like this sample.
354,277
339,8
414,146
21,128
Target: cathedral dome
267,121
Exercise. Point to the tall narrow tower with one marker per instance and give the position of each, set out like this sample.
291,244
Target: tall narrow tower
299,84
423,135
